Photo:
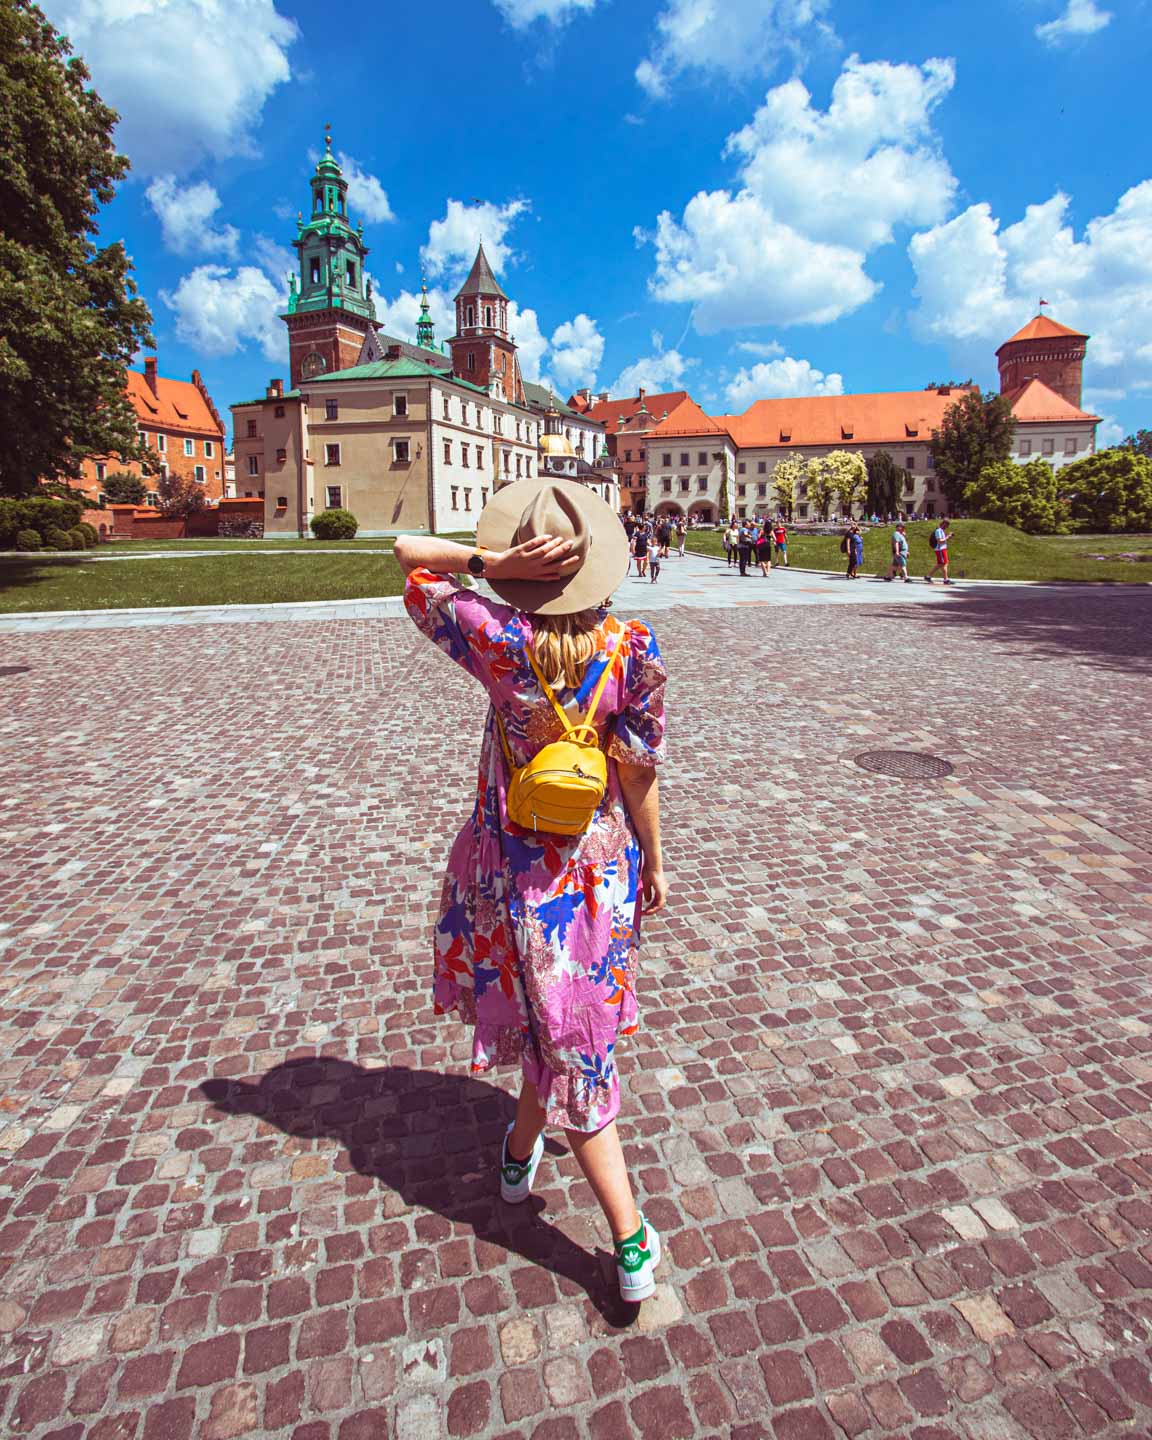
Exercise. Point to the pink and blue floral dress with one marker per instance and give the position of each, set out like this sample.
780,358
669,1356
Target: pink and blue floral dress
535,944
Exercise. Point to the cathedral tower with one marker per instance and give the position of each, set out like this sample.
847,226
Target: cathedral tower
483,352
330,306
1046,351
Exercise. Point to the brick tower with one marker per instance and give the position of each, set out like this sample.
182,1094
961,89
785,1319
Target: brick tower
330,306
1046,351
483,352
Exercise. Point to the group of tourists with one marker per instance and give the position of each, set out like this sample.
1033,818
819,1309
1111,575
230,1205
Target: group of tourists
764,541
899,566
649,542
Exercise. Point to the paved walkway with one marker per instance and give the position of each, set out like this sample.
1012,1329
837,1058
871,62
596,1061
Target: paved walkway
890,1105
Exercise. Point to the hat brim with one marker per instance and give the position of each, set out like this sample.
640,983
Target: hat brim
602,571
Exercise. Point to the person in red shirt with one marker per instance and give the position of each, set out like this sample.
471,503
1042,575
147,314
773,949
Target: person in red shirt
780,541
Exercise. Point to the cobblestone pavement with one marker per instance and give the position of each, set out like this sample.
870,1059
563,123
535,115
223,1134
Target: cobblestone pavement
889,1107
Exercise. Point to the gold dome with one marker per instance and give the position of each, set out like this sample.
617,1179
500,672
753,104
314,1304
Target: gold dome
557,445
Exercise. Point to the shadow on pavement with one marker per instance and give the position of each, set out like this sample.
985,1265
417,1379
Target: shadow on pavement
1110,628
432,1138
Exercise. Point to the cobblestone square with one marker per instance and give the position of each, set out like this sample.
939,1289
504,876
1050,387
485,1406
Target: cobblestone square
889,1104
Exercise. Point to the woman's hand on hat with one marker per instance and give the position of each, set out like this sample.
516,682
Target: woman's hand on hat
544,557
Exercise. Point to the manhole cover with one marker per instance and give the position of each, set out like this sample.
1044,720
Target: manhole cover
14,669
904,764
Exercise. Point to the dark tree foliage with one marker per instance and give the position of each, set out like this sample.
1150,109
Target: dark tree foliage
124,488
948,384
70,320
885,484
976,432
1140,442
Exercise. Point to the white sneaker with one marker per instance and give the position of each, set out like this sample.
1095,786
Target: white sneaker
516,1180
635,1263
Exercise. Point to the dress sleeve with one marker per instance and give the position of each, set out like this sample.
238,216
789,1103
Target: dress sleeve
638,730
468,627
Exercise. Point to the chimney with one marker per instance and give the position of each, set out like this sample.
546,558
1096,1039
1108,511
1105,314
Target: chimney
392,352
150,374
602,398
643,392
275,389
585,394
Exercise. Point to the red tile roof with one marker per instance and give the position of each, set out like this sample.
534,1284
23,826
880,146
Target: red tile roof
179,407
608,412
688,419
1041,328
1036,401
888,417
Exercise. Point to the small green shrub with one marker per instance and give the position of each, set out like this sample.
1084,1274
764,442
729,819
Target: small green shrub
91,532
28,540
79,538
334,525
56,539
50,512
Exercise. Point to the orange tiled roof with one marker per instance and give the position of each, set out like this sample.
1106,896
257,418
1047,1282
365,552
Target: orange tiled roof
179,407
841,420
1041,328
1036,401
608,412
688,419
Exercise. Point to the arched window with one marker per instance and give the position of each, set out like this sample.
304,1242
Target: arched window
470,317
488,316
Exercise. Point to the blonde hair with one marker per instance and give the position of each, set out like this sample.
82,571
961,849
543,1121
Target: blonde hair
563,645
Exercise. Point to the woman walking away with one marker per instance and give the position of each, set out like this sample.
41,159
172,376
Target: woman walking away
855,550
681,535
640,550
536,943
764,549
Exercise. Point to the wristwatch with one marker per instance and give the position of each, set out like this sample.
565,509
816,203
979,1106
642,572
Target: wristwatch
476,564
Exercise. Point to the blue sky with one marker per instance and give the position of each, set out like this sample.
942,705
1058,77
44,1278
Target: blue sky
738,197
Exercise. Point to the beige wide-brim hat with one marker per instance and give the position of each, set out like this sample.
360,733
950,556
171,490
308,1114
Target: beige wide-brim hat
561,508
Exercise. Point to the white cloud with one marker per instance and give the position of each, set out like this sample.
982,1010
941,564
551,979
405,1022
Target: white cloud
819,191
1080,17
978,283
520,13
189,77
1110,432
277,261
777,379
453,241
665,370
577,349
185,214
766,349
524,327
730,37
219,311
367,199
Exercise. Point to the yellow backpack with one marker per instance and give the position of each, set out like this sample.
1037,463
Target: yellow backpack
561,787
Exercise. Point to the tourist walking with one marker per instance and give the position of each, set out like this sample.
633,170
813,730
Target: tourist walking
745,544
854,544
731,541
535,945
780,542
899,564
663,535
640,550
939,543
681,535
764,549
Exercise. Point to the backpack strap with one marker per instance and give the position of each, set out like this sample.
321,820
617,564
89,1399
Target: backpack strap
569,727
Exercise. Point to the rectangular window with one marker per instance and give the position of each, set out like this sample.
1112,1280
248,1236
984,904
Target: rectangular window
518,476
400,404
498,424
667,485
251,428
447,408
279,412
352,273
627,454
455,497
189,447
741,467
332,454
684,460
702,457
742,511
507,461
667,461
483,496
1049,447
702,485
803,509
468,497
403,452
101,471
761,467
199,474
929,461
209,449
910,462
282,502
1070,447
762,490
162,443
741,491
447,452
1025,447
253,464
528,467
464,456
314,271
479,457
143,436
683,484
331,409
281,457
518,429
334,496
471,360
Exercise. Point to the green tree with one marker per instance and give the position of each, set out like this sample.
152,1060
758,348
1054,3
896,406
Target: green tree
124,488
179,496
1140,442
1026,497
820,484
1111,490
885,485
789,473
976,432
849,477
723,504
70,320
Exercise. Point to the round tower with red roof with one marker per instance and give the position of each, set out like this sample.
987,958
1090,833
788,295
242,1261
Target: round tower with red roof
1046,351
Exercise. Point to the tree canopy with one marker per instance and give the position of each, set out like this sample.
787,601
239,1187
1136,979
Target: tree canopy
789,473
1111,490
885,485
1026,497
1140,442
70,319
976,432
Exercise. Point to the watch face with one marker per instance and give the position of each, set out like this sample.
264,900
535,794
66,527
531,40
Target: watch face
476,564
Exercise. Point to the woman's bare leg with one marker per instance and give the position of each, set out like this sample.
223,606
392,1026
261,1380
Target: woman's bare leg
602,1161
530,1120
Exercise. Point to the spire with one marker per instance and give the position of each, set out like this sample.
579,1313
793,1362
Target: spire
425,334
481,280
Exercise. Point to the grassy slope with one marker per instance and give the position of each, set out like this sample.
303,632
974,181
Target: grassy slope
980,550
211,580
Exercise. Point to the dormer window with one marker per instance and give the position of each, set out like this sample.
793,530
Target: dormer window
911,431
785,436
846,432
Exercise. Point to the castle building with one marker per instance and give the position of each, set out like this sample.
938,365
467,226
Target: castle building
626,423
402,434
178,420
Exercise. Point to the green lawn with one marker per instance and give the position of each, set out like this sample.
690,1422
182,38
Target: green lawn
980,550
66,583
272,542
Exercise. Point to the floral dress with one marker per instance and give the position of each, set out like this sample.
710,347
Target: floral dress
535,944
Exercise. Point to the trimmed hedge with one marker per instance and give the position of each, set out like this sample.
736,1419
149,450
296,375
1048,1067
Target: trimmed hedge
91,532
57,539
79,537
335,525
28,540
41,513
